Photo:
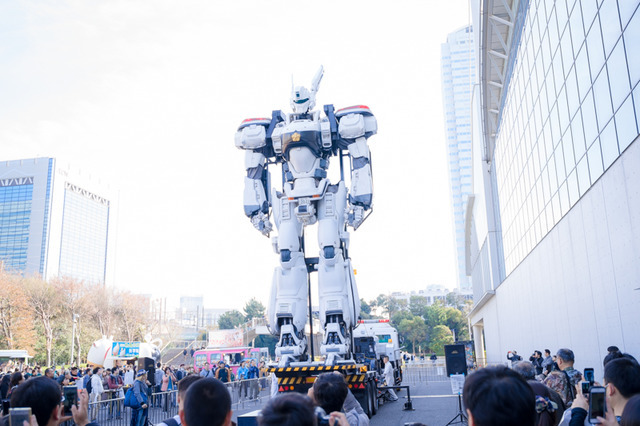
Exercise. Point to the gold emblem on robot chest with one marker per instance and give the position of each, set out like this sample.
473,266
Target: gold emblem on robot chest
295,137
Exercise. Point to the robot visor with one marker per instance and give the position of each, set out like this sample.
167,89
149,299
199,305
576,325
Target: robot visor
301,101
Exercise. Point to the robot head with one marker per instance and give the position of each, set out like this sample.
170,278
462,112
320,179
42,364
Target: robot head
302,100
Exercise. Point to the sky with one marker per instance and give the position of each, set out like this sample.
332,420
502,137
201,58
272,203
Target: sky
147,96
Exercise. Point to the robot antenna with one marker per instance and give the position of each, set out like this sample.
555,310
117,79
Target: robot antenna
315,83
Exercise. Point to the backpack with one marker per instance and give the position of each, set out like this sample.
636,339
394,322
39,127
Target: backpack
130,399
88,387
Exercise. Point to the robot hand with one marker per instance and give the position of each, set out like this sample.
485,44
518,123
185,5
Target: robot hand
262,223
355,216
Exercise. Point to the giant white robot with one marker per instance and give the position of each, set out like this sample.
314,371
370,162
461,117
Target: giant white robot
304,141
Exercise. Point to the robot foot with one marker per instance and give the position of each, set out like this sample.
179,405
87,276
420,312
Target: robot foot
336,345
291,347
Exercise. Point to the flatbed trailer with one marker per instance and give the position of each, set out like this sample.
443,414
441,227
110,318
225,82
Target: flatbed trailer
362,382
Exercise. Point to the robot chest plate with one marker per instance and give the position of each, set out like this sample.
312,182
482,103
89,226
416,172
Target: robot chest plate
302,134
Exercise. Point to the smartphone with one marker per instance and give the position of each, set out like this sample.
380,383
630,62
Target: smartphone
597,405
588,375
18,415
70,394
586,386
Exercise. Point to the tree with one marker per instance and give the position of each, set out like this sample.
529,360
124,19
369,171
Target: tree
440,336
413,329
456,321
417,305
45,302
435,315
131,315
230,320
365,310
16,317
254,309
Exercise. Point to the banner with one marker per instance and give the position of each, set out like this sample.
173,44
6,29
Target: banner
125,350
225,338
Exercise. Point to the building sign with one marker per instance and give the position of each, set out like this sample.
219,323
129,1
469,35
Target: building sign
125,349
225,338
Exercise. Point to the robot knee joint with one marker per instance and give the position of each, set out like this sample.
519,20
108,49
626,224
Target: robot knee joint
329,252
285,255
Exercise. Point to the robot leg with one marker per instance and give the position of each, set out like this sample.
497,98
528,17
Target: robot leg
338,294
287,306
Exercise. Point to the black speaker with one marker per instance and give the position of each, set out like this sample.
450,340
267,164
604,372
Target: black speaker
148,364
456,359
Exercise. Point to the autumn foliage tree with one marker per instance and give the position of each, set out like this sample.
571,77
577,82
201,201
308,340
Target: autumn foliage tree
38,315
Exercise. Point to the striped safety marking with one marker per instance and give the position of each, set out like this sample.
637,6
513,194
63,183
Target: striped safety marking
316,368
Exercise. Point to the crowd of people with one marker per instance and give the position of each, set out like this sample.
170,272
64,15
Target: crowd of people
548,390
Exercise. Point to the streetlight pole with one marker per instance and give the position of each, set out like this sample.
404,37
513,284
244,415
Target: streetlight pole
73,337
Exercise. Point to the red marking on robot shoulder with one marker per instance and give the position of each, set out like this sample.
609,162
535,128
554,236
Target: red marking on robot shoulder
354,107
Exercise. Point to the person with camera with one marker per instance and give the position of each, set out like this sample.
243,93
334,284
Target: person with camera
622,381
289,409
206,403
43,396
331,393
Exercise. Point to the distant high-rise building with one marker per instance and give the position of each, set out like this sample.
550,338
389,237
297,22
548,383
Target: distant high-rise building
54,221
458,77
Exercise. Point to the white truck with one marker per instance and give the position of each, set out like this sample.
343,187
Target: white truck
374,339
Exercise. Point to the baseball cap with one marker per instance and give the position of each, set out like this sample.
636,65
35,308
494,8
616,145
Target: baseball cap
141,372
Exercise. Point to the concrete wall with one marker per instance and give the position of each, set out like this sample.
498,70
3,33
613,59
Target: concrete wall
580,287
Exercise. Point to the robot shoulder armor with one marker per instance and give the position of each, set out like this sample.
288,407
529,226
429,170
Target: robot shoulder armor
252,133
356,121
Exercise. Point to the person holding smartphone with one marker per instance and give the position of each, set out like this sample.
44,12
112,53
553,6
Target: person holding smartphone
42,395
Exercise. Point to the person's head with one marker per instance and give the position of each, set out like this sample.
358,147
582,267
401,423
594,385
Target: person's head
538,354
16,379
43,396
253,362
329,391
547,352
613,355
525,369
565,358
631,412
498,395
97,370
613,349
206,403
622,379
289,409
48,373
141,375
74,371
206,366
183,385
221,364
549,405
159,365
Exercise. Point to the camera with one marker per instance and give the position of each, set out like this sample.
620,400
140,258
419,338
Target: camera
322,416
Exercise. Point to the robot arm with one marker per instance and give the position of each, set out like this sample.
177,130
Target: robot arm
356,125
251,136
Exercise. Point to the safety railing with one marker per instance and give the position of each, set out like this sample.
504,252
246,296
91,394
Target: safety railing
249,393
110,409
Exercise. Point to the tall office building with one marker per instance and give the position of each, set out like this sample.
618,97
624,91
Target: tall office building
553,233
458,77
54,221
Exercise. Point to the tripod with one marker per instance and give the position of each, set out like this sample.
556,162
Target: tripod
460,417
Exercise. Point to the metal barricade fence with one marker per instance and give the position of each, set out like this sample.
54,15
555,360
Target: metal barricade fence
249,393
424,372
110,410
